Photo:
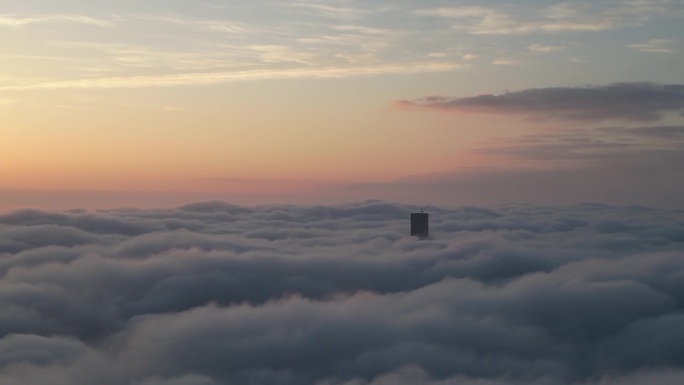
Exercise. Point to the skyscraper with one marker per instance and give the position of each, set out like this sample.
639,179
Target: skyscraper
420,224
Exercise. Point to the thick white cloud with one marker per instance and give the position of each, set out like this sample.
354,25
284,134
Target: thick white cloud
213,293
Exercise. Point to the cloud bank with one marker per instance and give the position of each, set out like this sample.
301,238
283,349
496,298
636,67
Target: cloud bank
213,293
641,102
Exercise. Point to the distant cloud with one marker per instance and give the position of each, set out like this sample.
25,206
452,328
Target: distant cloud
643,102
673,134
339,12
20,21
617,164
213,293
646,177
655,46
538,48
631,152
505,62
563,17
190,79
212,25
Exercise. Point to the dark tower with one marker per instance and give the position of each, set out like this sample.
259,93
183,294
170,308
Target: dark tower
420,224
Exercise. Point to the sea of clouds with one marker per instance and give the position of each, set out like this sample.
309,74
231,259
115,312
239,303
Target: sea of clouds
213,293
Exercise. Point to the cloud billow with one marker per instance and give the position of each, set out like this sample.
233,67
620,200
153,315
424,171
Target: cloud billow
214,293
641,102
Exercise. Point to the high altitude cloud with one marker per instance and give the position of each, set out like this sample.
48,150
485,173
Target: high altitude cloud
642,102
654,45
561,17
213,293
20,21
189,79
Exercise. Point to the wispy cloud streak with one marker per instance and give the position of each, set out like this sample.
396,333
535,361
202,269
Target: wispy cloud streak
654,46
189,79
9,20
338,12
563,17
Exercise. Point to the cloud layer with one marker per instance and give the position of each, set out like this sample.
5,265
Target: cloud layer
212,293
641,102
108,46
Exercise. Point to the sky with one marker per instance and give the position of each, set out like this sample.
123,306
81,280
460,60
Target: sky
218,294
158,103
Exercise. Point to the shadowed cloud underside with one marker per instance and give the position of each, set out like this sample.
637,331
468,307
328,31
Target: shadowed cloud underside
641,102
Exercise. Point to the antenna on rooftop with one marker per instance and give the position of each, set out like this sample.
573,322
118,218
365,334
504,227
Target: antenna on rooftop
426,207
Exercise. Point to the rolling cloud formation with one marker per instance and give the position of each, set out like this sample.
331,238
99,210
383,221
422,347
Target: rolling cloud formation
212,293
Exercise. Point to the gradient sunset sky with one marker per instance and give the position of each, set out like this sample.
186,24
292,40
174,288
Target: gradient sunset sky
160,102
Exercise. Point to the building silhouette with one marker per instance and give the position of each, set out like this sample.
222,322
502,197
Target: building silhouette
420,225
